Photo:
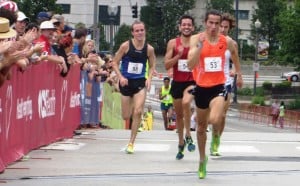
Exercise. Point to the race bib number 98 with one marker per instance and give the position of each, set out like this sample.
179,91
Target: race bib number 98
213,64
182,65
135,68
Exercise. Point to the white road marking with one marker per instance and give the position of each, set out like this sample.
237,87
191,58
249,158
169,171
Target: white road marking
66,145
239,149
145,147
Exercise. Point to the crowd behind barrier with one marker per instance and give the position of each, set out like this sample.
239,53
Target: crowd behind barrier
262,114
37,107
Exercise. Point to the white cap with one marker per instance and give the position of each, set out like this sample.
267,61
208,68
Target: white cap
47,25
22,16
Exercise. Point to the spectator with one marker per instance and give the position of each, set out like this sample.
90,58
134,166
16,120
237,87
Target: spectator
9,54
20,24
79,40
64,49
275,112
59,23
47,29
281,114
43,16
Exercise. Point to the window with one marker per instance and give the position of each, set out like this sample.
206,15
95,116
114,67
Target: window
243,14
106,19
66,8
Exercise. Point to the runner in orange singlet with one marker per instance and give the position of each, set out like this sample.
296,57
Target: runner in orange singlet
206,58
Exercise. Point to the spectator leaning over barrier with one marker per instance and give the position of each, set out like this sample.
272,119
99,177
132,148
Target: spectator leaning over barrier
13,52
47,29
64,49
20,24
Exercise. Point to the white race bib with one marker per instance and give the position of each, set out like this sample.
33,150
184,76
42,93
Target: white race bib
213,64
182,65
135,68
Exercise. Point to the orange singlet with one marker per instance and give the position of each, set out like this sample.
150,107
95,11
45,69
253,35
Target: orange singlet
210,69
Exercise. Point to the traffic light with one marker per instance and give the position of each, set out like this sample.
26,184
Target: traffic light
134,9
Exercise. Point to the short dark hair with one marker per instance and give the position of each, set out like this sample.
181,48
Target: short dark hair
30,26
213,12
186,17
80,32
166,78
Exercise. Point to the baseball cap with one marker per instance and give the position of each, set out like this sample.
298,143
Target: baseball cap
5,31
43,15
58,17
47,25
22,16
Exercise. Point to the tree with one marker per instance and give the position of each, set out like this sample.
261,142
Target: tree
32,7
221,5
123,34
160,18
290,35
267,14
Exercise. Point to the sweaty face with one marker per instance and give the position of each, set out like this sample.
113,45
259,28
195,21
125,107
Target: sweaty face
224,28
213,24
186,27
138,32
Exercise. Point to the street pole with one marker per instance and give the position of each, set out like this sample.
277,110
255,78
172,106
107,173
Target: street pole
95,25
234,98
257,25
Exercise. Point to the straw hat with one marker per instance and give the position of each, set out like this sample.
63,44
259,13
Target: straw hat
5,30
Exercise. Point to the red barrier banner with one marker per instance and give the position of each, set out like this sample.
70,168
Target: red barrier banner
37,107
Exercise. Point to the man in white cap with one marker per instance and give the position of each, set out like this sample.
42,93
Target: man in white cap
47,28
20,25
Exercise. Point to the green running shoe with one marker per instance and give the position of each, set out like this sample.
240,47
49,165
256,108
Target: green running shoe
129,149
214,146
202,169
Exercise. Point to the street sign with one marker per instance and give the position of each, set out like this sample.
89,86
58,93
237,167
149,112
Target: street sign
255,67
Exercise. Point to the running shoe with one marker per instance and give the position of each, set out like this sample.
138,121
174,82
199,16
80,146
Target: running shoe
191,146
180,153
214,146
129,148
202,169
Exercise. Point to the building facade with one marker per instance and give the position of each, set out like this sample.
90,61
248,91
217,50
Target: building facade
76,11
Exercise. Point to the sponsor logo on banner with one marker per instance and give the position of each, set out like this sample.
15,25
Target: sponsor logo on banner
46,103
24,108
74,99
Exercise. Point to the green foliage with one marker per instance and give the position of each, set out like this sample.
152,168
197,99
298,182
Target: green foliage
260,91
104,45
267,13
289,35
123,34
267,85
244,91
160,18
295,104
32,7
283,85
221,5
248,51
258,100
